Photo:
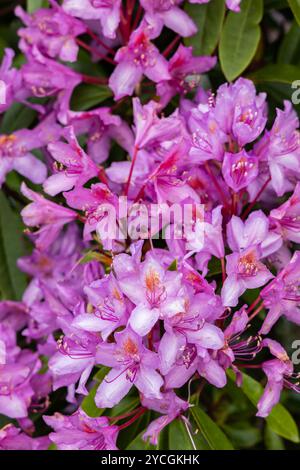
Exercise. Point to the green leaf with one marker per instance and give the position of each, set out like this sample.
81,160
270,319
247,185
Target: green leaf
214,436
272,440
179,438
243,435
209,19
87,96
12,246
295,7
17,117
33,5
289,50
240,38
139,444
88,403
279,420
279,73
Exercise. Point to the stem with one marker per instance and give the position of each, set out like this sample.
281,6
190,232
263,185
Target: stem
254,304
92,50
256,312
250,207
131,169
99,41
93,80
133,419
172,44
123,416
223,269
216,183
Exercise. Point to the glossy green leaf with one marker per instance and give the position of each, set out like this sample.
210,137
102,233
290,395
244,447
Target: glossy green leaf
89,96
289,50
240,38
12,280
33,5
279,420
295,7
212,433
209,18
88,403
139,444
179,438
278,73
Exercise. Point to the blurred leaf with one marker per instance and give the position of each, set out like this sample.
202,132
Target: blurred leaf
17,117
272,440
240,38
88,96
289,50
88,403
243,435
33,5
209,19
214,436
279,73
279,420
12,281
295,7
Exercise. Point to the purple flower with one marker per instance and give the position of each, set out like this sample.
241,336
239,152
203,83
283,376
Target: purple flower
139,57
42,212
102,127
131,364
168,13
285,219
73,166
16,152
250,242
107,11
279,373
184,70
282,295
52,31
170,406
156,292
280,147
109,307
10,81
12,438
80,432
239,169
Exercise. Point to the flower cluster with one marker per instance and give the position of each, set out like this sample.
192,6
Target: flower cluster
150,311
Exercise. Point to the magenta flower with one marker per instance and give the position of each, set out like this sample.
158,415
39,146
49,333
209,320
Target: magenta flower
73,166
185,71
49,215
280,147
131,364
107,11
140,57
52,31
12,438
285,219
250,242
282,295
11,86
170,406
279,373
167,13
110,307
80,432
239,170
